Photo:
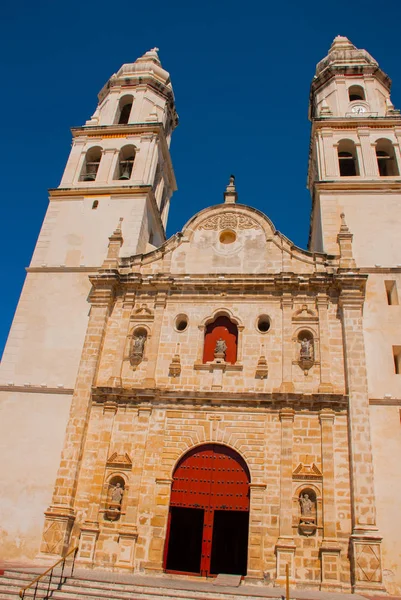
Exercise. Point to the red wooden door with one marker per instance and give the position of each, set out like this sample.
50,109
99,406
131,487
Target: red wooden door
213,478
222,328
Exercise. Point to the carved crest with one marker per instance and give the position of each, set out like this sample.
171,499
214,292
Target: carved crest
305,314
229,220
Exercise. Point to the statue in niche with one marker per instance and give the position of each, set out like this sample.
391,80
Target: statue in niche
117,494
220,349
306,352
113,510
307,506
138,345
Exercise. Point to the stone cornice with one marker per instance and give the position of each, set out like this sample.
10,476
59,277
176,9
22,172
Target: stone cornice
128,129
62,269
207,400
36,389
355,123
346,283
101,190
361,185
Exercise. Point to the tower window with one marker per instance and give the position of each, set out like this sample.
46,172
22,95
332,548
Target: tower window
95,204
347,159
125,163
386,160
391,292
397,359
91,164
356,92
124,110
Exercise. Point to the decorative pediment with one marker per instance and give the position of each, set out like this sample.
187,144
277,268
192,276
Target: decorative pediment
142,313
229,220
119,461
305,315
306,472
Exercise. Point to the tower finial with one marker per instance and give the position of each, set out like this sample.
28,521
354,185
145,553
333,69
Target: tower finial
344,239
230,195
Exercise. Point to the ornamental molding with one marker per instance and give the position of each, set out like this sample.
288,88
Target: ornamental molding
229,220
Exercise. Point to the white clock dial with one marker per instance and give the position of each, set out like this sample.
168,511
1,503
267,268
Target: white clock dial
358,109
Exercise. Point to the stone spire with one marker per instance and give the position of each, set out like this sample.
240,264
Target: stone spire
230,195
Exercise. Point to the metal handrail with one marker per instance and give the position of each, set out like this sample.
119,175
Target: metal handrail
50,570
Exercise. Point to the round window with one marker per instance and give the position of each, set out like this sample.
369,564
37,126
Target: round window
181,322
228,236
263,324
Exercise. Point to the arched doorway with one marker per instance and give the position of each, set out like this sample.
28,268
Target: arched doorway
208,521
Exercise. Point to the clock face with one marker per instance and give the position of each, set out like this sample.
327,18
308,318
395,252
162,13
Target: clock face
358,109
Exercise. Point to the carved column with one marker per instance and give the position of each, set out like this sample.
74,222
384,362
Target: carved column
285,547
60,515
365,539
286,307
325,386
153,347
360,159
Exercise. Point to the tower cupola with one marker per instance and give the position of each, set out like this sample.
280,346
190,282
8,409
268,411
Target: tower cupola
348,82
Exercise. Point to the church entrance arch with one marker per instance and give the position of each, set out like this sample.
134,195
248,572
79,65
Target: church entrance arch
208,520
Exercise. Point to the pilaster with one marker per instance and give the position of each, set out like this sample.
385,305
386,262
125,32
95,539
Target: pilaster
153,348
368,153
285,547
286,307
256,537
365,539
329,153
325,386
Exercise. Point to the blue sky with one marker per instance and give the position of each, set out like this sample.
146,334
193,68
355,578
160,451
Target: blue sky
241,73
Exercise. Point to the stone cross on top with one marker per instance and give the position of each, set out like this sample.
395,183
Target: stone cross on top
230,195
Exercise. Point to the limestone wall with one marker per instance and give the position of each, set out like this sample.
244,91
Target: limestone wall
155,439
32,428
386,440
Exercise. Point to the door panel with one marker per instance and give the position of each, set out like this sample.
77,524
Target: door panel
185,540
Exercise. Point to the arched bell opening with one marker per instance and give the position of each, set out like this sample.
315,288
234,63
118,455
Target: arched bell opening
208,521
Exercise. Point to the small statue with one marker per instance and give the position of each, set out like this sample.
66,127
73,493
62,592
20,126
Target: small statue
117,494
220,348
306,349
307,505
138,345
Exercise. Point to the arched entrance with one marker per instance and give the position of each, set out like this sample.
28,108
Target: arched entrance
208,521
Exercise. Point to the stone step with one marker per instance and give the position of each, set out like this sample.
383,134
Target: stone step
95,589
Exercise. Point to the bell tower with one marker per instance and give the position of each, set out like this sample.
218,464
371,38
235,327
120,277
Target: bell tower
119,168
355,160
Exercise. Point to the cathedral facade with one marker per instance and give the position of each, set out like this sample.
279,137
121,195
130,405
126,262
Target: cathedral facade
223,401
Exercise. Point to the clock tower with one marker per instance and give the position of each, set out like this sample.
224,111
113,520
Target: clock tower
354,163
355,183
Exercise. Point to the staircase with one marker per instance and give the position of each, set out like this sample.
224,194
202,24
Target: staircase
102,585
